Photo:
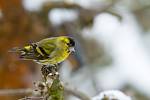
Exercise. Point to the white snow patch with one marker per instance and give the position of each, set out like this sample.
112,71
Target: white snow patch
111,95
58,16
33,5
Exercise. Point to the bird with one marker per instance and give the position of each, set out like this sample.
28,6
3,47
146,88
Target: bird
49,51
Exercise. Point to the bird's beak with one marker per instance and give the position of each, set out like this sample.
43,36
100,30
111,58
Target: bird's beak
72,49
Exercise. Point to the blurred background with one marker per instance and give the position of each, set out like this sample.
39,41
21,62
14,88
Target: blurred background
112,44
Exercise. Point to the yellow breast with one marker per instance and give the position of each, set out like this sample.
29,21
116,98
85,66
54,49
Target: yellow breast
57,57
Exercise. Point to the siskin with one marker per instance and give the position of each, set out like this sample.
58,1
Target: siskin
49,51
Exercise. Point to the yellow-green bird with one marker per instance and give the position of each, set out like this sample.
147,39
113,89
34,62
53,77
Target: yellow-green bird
49,51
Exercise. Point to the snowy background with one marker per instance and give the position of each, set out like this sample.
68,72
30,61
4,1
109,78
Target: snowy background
112,37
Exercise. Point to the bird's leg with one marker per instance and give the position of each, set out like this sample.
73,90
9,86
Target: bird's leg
46,69
53,72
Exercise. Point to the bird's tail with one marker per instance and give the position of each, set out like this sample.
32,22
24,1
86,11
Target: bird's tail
16,50
23,53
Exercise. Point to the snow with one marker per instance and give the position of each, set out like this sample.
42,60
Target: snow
111,95
33,5
124,41
58,16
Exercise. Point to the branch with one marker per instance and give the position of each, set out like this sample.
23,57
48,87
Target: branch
51,5
4,92
74,92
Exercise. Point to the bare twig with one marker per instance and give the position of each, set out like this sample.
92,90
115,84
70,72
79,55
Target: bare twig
32,98
76,93
51,5
4,92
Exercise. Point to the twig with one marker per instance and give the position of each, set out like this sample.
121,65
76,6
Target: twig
76,93
32,98
4,92
51,5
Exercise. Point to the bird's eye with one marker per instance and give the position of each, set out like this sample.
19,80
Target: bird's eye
68,44
71,42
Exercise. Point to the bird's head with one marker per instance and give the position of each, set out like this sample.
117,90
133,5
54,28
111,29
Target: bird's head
70,43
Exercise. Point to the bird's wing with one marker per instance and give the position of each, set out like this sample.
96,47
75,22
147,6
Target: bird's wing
47,46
